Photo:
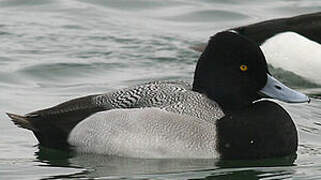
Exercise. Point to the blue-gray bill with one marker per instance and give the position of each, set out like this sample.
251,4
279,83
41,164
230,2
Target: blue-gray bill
276,90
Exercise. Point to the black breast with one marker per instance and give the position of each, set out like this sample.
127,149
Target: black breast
262,130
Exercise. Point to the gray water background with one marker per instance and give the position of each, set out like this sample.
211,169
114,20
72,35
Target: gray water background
56,50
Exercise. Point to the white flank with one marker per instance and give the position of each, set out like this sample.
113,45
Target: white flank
145,133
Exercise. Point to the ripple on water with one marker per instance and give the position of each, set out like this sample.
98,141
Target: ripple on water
4,33
35,170
206,16
294,7
130,5
74,26
67,70
16,3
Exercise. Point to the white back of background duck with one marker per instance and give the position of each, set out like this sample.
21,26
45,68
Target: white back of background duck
295,53
218,116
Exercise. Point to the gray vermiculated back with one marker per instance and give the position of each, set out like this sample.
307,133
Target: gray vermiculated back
173,96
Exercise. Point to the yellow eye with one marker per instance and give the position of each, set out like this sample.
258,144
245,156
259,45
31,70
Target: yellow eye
243,68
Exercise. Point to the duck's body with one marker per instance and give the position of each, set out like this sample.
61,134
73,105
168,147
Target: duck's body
157,133
145,133
172,96
217,116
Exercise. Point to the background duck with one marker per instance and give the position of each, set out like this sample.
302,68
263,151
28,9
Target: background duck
291,45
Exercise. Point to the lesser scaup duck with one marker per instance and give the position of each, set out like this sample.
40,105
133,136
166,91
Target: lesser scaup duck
292,44
218,116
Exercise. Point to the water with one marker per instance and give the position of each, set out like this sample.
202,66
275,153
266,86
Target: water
56,50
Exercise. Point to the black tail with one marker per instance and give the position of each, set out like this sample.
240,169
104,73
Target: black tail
47,133
21,121
52,126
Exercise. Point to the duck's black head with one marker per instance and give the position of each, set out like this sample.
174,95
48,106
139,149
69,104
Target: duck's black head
233,71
